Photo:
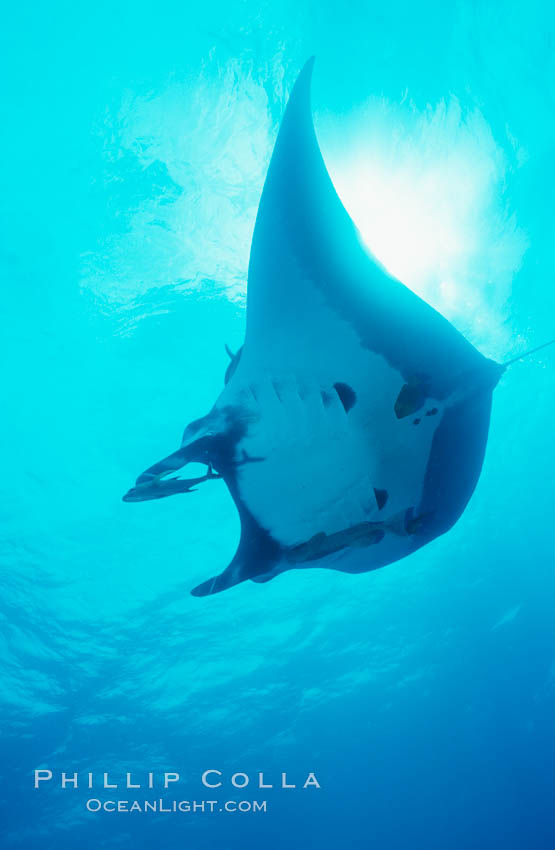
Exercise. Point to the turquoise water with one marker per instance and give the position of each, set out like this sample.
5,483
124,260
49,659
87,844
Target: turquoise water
136,140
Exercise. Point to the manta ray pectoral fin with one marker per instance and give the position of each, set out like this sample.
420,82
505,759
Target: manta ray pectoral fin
239,570
311,279
257,553
407,522
263,579
216,584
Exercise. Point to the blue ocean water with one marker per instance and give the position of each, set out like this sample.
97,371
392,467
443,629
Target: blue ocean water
135,143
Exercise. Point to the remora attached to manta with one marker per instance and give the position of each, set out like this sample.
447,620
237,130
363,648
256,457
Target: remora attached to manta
353,422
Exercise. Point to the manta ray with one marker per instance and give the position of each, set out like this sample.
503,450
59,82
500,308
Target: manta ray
353,422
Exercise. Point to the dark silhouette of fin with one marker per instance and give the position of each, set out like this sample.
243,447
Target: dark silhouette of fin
218,583
256,554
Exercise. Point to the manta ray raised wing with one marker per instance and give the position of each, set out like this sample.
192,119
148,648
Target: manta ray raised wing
353,423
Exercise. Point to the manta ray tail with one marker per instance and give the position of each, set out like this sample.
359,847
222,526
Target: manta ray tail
527,353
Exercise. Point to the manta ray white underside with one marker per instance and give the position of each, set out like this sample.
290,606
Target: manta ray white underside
353,423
